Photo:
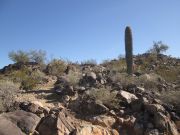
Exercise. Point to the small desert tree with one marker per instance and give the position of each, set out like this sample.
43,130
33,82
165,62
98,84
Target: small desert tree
158,48
37,56
19,56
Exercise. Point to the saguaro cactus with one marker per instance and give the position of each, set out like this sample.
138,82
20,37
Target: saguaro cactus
129,50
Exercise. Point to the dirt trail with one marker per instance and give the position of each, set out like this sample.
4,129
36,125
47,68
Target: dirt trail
41,94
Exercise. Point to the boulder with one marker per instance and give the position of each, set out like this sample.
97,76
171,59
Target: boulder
138,129
89,79
60,123
91,75
163,123
18,123
137,105
153,108
103,120
177,122
64,124
34,107
48,126
130,121
131,88
152,132
128,97
140,89
89,107
95,130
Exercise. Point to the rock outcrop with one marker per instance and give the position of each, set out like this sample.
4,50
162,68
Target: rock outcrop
18,123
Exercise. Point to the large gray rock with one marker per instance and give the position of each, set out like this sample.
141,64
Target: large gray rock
18,123
128,97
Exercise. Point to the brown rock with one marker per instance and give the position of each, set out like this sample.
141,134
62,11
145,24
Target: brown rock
130,121
103,120
18,123
48,126
64,124
178,124
163,123
95,130
153,108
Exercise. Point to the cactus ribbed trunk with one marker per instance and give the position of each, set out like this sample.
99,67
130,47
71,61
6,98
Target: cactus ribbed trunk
129,50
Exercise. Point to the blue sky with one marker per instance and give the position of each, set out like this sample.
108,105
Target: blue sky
85,29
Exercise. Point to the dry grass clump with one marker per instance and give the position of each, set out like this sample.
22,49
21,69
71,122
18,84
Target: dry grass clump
116,65
73,78
170,75
122,78
8,92
56,67
171,97
104,95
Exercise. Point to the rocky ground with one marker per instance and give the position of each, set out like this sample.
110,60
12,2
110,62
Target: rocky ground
101,100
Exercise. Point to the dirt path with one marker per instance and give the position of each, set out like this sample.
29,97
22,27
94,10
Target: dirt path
43,94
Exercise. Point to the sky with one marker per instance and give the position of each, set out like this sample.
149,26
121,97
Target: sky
87,29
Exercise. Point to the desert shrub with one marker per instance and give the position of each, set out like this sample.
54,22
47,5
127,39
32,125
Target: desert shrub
27,78
104,95
19,56
38,56
116,65
56,67
20,75
28,83
39,76
8,92
170,75
148,81
92,62
122,78
158,47
147,62
74,77
171,97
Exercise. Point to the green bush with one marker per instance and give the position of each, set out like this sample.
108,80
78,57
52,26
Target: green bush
27,78
28,83
19,56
